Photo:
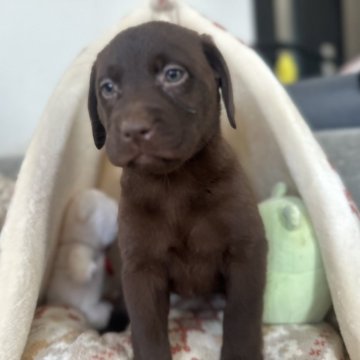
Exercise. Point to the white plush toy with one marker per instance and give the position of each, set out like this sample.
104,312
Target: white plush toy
78,275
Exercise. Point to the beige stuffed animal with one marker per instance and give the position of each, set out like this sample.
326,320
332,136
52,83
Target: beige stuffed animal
78,275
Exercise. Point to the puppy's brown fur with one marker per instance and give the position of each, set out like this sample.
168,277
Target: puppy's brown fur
189,221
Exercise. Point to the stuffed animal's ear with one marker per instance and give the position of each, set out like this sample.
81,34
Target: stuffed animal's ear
98,129
221,70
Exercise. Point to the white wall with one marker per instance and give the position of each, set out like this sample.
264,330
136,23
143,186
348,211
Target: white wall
39,39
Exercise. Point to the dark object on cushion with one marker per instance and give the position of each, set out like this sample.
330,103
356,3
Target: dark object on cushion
118,322
326,103
188,218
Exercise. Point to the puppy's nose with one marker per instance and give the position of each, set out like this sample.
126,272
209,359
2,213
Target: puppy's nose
132,130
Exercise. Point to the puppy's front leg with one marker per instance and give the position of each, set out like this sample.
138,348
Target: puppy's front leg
242,336
147,301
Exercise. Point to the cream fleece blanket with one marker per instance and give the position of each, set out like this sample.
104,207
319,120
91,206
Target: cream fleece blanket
272,141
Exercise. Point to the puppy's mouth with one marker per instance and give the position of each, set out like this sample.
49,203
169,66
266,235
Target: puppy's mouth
158,157
152,162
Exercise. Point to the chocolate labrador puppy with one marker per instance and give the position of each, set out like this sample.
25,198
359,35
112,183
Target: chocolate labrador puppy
189,221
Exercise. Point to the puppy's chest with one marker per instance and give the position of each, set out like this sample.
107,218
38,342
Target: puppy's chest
185,227
197,246
193,271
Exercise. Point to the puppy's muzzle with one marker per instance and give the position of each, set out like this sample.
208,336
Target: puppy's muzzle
136,130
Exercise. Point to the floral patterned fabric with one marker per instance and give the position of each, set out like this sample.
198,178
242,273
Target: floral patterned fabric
63,333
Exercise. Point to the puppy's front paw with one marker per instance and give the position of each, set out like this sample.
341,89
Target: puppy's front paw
242,353
253,356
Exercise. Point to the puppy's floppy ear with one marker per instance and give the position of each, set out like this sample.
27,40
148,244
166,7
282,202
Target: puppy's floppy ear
98,129
221,70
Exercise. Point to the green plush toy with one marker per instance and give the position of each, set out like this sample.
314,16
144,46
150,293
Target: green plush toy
297,289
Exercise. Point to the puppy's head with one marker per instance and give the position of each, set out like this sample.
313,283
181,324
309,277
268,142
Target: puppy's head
154,96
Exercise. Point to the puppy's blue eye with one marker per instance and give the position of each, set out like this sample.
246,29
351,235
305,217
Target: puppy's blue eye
174,74
108,89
